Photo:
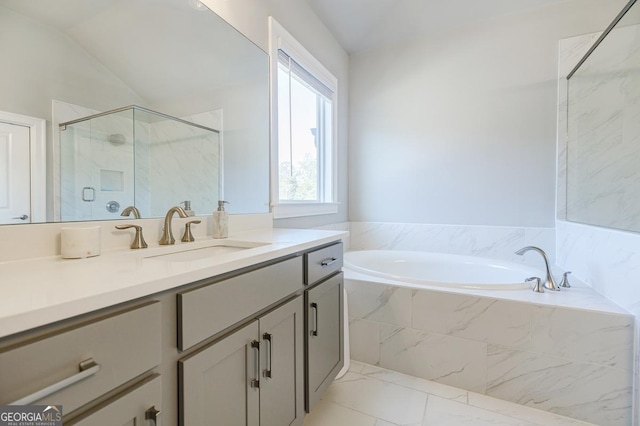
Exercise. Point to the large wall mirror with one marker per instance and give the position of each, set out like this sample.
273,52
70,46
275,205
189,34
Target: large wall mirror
110,103
603,127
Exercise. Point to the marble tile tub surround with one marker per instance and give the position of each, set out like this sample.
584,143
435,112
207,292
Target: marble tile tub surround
499,242
573,362
372,396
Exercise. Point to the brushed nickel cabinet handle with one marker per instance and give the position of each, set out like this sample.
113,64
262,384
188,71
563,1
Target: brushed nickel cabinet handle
87,368
255,383
152,415
328,262
268,338
314,306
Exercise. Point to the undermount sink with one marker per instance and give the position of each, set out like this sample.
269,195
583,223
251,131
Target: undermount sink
192,254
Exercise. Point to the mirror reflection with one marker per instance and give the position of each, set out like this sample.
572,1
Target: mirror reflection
137,157
198,131
603,146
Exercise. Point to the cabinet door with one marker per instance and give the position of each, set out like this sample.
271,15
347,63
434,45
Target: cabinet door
140,405
217,384
325,340
282,365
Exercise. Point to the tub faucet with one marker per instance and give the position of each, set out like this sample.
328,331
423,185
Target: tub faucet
167,235
549,281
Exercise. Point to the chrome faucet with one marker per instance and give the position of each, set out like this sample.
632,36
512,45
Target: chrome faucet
167,235
549,281
131,209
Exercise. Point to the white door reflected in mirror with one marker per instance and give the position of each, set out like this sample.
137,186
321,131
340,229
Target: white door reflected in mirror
15,179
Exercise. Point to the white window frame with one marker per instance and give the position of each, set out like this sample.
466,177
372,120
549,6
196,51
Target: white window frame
279,38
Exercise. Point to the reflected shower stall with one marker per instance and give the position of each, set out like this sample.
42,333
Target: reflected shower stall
136,156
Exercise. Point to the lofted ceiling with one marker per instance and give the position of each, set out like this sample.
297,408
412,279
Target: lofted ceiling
366,24
164,50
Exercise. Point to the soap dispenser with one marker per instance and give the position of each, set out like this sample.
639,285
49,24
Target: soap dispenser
187,208
220,221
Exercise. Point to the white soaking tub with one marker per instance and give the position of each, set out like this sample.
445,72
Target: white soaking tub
439,269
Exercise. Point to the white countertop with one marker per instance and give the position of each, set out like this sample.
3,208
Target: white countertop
40,291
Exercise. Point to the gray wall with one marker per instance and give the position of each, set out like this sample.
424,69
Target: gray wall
461,129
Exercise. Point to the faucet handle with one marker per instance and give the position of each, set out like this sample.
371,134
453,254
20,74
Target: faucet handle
188,236
565,280
537,287
138,240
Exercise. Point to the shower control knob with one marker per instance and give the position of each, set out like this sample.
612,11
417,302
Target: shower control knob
113,206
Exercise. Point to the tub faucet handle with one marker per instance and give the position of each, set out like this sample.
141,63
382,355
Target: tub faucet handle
565,280
537,287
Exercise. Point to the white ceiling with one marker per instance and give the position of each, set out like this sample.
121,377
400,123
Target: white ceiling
365,24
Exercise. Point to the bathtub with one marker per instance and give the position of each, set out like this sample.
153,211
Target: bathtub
428,315
443,270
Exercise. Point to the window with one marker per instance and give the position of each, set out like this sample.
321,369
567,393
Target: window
303,130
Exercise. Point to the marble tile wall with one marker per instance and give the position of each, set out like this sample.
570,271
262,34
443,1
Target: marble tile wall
608,260
571,362
184,164
603,129
499,242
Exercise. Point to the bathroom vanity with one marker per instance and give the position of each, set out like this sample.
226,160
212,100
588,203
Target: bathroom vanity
250,336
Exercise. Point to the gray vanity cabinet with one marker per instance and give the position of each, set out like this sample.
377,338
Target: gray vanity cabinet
325,340
139,406
83,360
324,321
282,365
215,383
253,376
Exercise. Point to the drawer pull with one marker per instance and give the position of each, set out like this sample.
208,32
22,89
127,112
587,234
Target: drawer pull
152,415
328,262
87,368
255,383
268,338
314,332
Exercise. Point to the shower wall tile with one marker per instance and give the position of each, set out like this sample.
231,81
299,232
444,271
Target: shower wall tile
498,242
583,391
192,175
443,359
584,336
476,318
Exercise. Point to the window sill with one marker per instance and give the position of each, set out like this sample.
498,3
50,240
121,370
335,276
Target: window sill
286,210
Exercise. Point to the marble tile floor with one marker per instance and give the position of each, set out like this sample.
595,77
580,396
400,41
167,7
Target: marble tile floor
373,396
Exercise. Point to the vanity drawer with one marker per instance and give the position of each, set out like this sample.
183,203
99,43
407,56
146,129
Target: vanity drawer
322,263
122,345
208,310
